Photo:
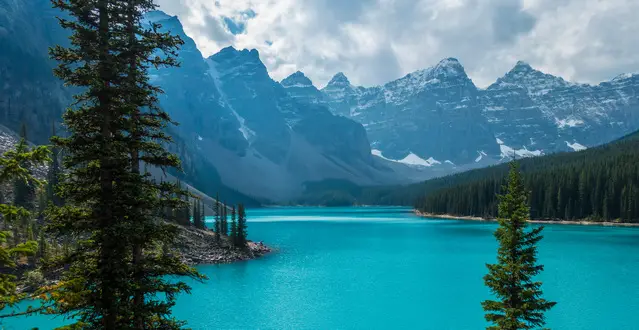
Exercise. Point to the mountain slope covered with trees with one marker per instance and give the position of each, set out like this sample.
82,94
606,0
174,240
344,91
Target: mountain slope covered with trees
599,184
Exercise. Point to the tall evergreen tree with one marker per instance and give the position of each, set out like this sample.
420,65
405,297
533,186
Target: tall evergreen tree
195,212
233,233
202,215
117,278
519,304
217,226
225,220
241,226
53,173
24,190
198,219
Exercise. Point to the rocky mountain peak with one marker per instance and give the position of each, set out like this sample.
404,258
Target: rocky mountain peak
625,76
339,79
537,83
245,64
297,79
448,67
522,66
231,51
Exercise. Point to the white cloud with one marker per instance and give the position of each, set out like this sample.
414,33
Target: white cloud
374,41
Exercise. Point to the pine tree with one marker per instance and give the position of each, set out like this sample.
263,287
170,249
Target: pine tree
217,226
24,195
24,190
53,173
233,233
43,248
117,278
202,215
198,220
241,227
195,213
225,220
519,304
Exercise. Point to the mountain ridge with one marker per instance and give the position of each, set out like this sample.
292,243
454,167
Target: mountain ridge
267,138
527,112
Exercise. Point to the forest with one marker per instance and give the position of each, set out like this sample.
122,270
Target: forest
598,184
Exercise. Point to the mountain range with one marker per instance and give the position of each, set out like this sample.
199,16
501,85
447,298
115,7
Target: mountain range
439,116
245,135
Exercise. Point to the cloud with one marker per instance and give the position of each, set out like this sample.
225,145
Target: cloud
375,41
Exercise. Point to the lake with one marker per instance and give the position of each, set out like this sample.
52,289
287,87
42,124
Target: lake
383,268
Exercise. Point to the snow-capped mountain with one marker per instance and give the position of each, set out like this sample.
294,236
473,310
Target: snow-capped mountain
242,131
432,113
531,110
438,114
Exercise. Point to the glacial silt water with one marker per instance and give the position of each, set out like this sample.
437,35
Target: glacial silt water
385,268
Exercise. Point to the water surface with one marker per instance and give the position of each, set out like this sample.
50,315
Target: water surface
383,268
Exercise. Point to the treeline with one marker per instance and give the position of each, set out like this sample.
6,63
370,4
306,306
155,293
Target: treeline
192,213
337,192
598,184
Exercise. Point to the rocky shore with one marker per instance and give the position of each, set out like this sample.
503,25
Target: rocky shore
199,246
553,222
196,247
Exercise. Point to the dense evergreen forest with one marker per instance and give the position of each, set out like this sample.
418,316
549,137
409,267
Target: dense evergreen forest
598,184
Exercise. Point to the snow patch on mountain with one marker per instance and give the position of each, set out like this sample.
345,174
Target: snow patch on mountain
568,122
397,91
575,146
296,86
481,156
215,74
509,152
625,76
411,159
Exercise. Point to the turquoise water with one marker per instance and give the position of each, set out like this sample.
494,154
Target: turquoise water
383,268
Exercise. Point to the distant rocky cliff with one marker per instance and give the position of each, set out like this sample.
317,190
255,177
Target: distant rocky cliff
439,113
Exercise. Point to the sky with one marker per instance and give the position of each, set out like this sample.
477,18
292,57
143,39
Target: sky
376,41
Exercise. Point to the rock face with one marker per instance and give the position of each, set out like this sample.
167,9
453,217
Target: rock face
429,113
291,136
264,138
440,113
240,132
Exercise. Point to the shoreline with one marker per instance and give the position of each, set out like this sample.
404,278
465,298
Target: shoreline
547,222
201,247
